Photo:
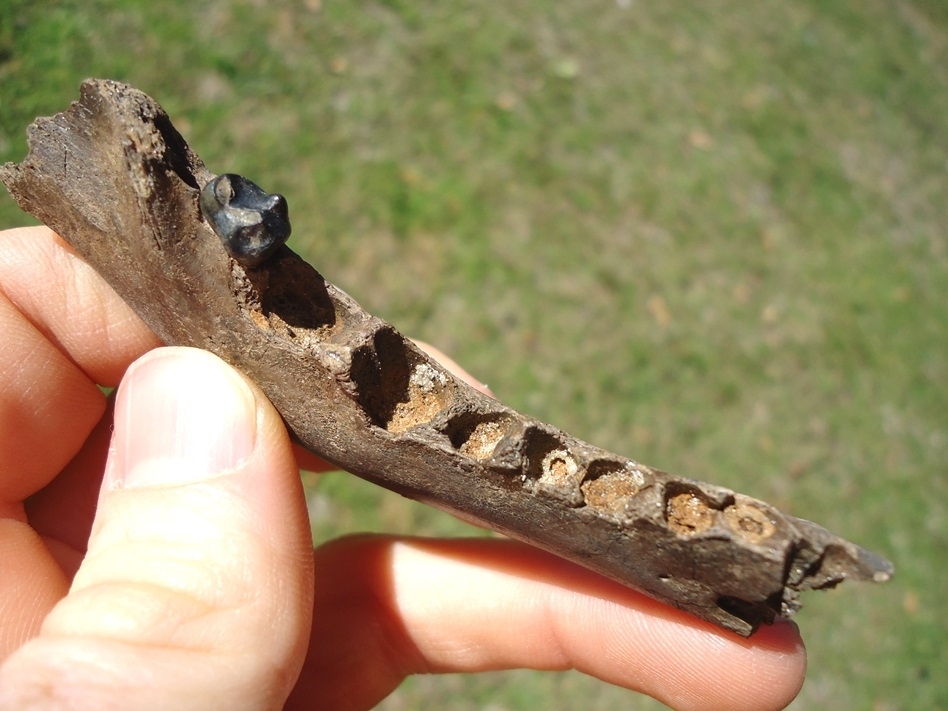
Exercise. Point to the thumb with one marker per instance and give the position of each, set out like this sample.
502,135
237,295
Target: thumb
196,590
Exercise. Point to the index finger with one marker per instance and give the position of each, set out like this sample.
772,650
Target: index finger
65,332
70,304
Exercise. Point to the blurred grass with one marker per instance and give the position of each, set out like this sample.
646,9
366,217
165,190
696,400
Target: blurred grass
711,236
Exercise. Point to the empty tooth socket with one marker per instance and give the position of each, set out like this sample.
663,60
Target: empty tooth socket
560,477
610,486
537,444
428,394
395,386
300,299
689,510
476,435
750,521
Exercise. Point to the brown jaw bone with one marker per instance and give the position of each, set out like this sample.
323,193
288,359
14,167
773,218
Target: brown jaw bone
119,183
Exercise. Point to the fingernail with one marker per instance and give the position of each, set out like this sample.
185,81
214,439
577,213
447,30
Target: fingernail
181,416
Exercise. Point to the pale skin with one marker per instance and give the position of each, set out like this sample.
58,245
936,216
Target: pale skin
160,556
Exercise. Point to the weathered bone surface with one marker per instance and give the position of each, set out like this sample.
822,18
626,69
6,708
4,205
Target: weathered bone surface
115,179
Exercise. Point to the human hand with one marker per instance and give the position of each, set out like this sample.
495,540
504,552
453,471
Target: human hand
160,556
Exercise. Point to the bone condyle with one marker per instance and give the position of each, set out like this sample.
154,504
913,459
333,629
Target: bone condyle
119,183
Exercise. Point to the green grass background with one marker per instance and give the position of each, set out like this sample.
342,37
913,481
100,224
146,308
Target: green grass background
712,236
